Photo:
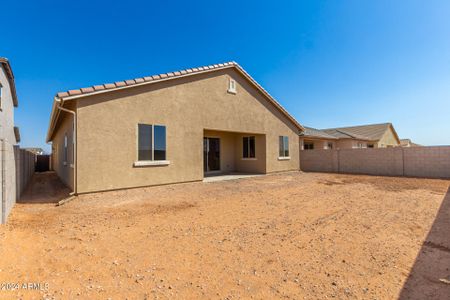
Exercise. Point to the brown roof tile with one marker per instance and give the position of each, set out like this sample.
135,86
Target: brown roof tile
87,90
63,94
99,87
74,92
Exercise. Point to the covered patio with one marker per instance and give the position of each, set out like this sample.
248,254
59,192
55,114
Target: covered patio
228,153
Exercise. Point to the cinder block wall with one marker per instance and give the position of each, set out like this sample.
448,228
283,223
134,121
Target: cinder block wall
320,160
433,162
25,166
430,162
379,161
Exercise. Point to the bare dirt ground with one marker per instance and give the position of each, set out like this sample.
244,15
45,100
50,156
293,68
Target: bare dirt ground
290,236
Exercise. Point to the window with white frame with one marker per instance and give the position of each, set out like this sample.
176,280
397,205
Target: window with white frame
232,86
151,142
284,146
330,145
248,147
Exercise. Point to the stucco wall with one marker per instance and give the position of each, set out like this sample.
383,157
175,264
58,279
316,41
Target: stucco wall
388,139
318,143
350,144
64,169
7,142
107,128
256,165
431,162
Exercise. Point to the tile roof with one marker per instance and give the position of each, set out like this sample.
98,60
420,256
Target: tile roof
372,132
140,80
107,87
369,132
317,133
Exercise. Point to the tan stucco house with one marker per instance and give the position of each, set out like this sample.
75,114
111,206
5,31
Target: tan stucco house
363,136
9,137
408,143
170,128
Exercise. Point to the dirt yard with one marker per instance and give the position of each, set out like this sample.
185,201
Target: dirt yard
290,236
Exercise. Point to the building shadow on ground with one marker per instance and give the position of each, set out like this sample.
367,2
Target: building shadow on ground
430,275
45,187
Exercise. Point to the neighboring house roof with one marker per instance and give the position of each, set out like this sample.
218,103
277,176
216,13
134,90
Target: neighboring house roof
373,132
316,133
342,134
9,73
109,87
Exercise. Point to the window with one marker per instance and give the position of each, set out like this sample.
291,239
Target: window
232,86
330,145
284,146
370,146
151,142
360,145
308,146
248,147
65,149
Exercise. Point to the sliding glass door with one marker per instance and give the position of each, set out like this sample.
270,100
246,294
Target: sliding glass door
211,154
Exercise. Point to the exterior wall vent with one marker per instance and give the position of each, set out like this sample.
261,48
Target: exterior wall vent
232,86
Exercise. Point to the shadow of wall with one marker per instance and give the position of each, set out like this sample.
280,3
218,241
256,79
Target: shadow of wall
430,275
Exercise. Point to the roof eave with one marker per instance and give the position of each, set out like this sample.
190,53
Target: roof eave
53,118
318,137
12,84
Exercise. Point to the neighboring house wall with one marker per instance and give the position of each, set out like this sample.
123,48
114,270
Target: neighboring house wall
351,144
318,143
64,167
107,131
7,142
388,139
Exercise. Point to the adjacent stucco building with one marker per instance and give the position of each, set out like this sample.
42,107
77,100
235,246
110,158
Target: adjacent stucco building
363,136
170,128
9,137
408,143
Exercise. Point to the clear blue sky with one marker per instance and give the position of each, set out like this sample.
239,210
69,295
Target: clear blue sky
330,63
